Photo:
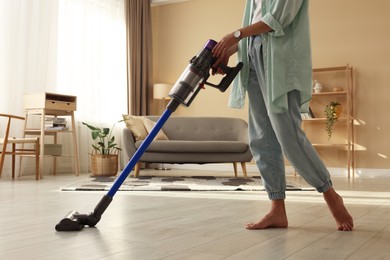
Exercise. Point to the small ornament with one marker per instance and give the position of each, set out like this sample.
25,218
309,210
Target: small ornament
317,87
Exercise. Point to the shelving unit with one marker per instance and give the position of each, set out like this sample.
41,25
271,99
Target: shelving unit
343,131
45,105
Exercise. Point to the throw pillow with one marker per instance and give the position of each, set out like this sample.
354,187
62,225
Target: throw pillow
149,124
136,125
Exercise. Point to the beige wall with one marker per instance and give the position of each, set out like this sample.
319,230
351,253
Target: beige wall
180,32
347,31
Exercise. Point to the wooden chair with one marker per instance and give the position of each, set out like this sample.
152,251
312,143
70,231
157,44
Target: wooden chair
18,147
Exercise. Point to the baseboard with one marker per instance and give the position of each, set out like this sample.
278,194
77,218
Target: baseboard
252,169
372,173
225,167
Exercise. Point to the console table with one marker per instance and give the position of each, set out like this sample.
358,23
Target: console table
54,105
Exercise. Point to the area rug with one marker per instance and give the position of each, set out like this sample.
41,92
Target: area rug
195,183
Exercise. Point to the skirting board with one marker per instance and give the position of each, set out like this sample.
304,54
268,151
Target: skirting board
227,167
252,169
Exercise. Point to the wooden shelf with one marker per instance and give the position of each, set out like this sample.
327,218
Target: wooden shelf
47,132
332,146
323,119
45,105
333,93
339,76
331,69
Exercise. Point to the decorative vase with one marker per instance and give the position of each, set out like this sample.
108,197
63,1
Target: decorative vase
104,164
317,87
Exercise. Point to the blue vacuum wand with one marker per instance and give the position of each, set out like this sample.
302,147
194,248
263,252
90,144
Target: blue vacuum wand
183,92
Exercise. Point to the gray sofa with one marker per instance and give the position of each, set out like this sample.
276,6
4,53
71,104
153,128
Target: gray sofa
196,140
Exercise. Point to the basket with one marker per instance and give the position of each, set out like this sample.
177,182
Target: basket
104,164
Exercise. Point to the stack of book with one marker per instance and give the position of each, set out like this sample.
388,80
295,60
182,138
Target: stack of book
307,115
55,123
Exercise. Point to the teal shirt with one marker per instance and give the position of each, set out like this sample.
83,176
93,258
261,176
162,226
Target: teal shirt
286,54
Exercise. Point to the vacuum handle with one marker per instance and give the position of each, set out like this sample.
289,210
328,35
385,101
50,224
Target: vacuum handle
231,73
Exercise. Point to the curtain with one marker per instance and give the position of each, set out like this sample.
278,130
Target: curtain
74,47
139,55
92,58
28,36
92,65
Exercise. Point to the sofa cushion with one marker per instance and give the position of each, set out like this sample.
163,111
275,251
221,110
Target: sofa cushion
149,124
136,125
184,146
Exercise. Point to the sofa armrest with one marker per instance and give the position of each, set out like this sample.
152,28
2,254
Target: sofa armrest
241,131
128,142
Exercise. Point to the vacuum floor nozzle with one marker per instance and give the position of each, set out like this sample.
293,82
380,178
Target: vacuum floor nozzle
73,221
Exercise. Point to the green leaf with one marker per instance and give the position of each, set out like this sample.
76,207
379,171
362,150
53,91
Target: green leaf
95,134
111,140
95,147
111,145
89,126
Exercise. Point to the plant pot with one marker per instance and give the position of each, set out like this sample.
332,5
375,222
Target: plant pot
338,109
104,164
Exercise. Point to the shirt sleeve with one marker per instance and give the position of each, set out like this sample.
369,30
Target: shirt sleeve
280,14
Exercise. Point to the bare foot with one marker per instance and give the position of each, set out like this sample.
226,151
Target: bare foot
276,218
340,213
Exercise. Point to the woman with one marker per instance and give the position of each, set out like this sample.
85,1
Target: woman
274,45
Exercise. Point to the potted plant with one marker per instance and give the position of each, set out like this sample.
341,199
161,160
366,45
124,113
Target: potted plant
332,112
104,158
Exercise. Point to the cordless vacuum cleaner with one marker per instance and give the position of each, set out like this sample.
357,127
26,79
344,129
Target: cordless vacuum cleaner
183,92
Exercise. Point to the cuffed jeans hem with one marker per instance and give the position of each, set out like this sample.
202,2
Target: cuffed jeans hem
325,187
276,195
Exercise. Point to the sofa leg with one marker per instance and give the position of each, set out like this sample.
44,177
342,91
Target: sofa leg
137,169
243,166
235,169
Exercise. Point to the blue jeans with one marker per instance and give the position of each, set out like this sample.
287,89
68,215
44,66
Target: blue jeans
272,135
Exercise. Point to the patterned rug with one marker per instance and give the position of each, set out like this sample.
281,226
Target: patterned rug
195,183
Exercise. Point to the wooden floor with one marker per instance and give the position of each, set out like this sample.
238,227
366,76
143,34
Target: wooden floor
190,225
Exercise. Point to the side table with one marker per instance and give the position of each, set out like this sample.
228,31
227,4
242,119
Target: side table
54,105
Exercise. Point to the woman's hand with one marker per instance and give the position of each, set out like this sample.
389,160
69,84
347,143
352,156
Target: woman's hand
224,45
222,60
223,50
